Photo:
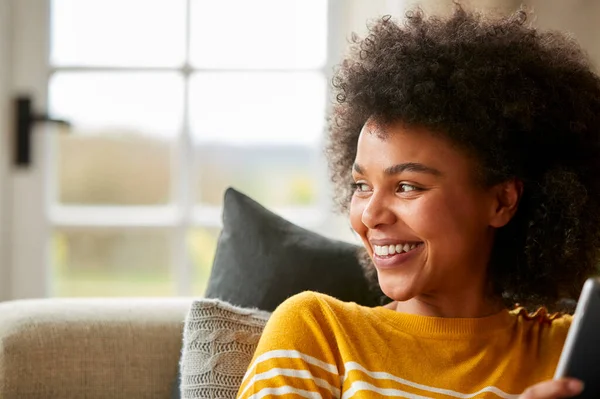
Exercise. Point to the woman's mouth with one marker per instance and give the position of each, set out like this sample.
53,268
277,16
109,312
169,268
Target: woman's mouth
392,255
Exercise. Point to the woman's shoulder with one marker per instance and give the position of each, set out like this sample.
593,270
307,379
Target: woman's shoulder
543,320
313,309
309,321
542,315
315,303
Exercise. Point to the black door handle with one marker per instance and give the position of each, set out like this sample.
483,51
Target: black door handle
25,119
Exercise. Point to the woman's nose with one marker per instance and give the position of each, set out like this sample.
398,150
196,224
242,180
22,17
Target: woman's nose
378,211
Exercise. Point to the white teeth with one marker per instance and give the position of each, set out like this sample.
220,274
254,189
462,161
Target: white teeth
391,249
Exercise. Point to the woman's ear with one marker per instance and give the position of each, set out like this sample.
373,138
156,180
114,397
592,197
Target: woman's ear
506,202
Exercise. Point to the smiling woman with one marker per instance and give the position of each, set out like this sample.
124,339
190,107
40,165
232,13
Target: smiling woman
466,151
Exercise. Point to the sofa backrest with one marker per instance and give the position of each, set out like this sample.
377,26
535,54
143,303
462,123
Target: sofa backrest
92,348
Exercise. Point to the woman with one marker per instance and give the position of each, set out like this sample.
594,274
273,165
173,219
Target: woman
466,151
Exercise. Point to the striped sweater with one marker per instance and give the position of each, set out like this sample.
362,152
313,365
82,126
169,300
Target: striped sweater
315,346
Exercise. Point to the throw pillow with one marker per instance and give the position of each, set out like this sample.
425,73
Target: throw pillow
219,340
262,259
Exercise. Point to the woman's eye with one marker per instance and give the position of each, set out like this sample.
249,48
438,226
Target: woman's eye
407,187
360,187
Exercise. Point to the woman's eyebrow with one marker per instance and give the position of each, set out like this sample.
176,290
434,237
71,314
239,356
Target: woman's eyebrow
412,167
404,167
357,168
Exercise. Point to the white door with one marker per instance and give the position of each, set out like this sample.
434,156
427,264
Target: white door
170,102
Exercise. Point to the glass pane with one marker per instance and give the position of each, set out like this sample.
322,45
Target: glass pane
110,263
119,151
273,175
145,103
117,32
258,33
257,108
202,243
113,168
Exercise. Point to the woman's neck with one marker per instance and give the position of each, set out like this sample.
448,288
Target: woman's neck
456,306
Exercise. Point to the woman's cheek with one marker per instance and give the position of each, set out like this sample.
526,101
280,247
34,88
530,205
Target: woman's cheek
427,212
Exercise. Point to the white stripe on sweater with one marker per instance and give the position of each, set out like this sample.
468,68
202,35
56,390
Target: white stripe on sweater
365,386
291,354
303,374
285,390
379,375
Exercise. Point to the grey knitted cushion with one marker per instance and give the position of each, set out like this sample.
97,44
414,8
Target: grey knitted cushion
219,341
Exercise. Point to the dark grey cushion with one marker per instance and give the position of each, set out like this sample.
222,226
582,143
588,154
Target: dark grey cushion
262,259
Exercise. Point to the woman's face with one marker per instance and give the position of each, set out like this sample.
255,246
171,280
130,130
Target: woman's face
420,214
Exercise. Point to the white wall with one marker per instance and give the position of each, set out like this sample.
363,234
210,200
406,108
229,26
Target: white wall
580,18
359,12
5,153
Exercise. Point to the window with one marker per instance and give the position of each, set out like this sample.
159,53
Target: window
171,101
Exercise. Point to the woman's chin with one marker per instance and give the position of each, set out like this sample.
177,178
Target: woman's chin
397,290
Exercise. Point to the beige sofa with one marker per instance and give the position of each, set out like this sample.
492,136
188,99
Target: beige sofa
90,348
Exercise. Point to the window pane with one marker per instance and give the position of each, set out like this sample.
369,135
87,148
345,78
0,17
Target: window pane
273,175
141,102
202,243
258,33
110,263
117,32
113,168
119,151
257,108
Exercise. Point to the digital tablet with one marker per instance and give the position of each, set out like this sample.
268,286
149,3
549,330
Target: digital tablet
580,357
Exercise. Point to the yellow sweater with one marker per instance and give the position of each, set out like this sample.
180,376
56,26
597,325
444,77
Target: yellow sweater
315,346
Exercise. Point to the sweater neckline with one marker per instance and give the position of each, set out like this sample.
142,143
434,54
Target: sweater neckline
446,327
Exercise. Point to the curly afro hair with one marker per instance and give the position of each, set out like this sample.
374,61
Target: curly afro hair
524,103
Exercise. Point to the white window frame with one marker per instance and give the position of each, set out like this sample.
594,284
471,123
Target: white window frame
4,148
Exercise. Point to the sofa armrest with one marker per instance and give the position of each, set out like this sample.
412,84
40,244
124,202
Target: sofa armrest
92,348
